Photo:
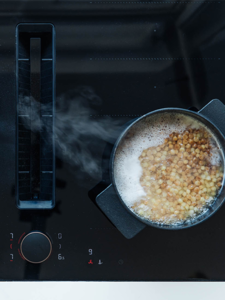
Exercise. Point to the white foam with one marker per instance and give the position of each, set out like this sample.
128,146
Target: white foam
150,132
215,159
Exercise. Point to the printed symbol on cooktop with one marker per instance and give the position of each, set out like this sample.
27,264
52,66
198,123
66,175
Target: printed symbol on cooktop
59,236
120,262
100,262
90,262
60,257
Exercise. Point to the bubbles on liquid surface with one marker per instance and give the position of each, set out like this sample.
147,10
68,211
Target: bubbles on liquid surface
152,132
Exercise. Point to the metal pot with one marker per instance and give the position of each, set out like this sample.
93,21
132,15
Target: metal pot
210,122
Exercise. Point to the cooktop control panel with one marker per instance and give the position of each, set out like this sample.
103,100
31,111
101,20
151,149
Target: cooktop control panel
34,247
32,253
93,66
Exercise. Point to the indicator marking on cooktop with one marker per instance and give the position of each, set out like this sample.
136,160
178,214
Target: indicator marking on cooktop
11,246
21,238
23,59
120,262
60,257
21,254
104,228
152,58
151,2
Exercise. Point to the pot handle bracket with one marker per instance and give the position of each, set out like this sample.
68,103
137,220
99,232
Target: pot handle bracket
110,204
215,112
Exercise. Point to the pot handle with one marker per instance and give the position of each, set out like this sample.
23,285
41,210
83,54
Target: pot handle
215,112
110,204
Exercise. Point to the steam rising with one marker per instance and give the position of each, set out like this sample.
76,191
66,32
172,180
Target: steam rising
78,135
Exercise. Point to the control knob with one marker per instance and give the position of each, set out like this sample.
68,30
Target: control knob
36,247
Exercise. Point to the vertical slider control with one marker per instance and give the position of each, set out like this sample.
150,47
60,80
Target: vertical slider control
35,93
35,150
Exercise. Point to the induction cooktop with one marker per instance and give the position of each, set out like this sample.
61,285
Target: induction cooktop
72,74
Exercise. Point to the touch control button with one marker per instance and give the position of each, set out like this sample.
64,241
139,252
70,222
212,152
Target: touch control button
36,247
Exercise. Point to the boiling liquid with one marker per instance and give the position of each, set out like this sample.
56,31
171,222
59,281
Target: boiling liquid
168,168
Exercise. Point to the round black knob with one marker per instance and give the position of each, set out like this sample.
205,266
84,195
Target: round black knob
36,247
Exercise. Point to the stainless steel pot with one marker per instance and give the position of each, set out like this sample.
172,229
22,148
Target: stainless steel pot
218,136
213,117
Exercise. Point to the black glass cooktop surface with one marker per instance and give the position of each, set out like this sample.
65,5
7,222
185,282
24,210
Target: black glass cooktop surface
110,62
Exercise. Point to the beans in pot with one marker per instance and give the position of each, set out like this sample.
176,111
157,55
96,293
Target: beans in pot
178,177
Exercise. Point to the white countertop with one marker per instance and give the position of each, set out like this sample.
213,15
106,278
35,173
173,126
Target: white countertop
111,290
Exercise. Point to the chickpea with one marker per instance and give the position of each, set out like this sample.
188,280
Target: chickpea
177,177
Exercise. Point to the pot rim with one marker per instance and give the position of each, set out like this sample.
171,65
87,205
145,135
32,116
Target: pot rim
218,137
